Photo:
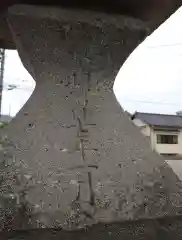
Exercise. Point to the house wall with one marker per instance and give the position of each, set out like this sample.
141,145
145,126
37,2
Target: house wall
168,148
160,148
145,129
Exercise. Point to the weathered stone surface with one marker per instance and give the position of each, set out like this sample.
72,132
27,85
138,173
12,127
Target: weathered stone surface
81,160
153,11
153,229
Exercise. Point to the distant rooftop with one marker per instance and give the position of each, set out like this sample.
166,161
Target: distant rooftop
159,120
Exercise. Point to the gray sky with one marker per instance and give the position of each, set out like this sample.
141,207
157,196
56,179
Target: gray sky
15,73
150,80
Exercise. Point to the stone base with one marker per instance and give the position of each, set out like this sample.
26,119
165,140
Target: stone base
144,229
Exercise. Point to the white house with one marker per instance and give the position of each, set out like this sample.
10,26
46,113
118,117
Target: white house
164,131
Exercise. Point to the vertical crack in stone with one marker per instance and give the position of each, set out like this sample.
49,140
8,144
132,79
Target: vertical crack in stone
85,109
73,114
92,195
82,150
88,81
74,79
79,126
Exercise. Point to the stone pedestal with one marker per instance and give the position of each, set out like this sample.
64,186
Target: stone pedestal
81,160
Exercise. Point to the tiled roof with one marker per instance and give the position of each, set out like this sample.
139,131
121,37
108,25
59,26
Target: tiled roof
163,120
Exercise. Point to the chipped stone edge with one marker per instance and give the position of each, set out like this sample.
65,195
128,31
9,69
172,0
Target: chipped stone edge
79,15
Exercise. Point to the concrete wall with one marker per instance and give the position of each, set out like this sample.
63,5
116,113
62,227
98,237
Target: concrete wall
80,157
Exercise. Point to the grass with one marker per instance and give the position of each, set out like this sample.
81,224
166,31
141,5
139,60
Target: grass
3,124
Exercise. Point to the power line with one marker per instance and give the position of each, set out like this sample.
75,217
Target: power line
150,102
165,45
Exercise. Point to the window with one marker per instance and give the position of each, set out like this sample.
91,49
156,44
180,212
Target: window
167,139
168,154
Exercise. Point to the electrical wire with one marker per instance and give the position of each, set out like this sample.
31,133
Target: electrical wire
150,102
165,45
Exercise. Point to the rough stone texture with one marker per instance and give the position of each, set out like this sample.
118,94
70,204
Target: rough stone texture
145,229
81,160
153,11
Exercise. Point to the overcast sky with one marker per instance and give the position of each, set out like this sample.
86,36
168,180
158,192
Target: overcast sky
15,73
149,81
151,78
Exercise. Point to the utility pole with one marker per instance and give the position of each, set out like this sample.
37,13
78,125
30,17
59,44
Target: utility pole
2,62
